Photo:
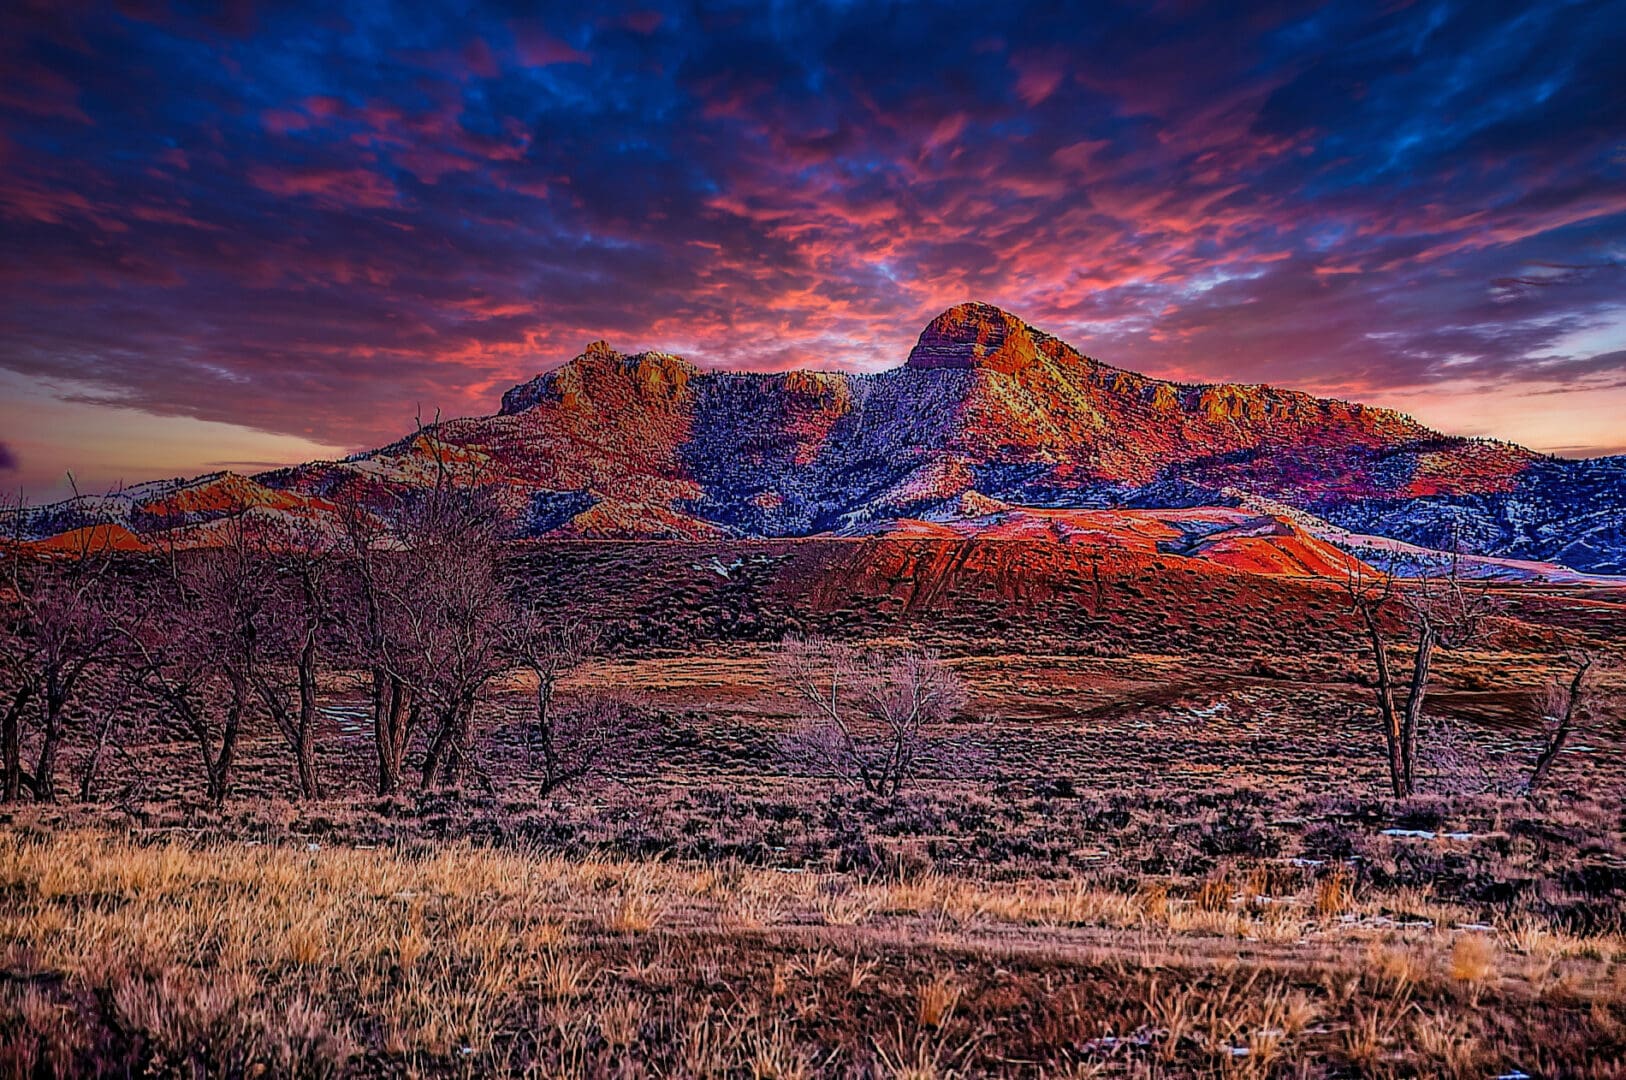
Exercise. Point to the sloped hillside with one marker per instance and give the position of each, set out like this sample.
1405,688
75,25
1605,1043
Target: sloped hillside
985,407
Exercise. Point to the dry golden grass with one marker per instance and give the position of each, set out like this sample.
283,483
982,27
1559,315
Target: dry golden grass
1334,893
1473,959
935,1000
232,959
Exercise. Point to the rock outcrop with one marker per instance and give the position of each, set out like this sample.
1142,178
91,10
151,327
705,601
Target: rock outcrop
655,377
975,336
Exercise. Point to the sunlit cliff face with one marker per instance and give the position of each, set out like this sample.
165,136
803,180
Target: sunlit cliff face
307,224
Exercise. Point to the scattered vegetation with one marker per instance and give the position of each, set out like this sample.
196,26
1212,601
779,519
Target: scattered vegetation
868,715
375,802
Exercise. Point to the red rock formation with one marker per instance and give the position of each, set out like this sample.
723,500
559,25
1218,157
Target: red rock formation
987,412
975,336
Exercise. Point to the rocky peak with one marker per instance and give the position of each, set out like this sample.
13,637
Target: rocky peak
975,335
656,376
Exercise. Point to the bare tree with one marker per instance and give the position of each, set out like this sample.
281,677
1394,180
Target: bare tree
866,714
174,660
1370,590
234,627
1440,610
55,622
1566,704
1445,610
289,638
198,646
426,607
447,606
548,649
451,616
366,589
107,720
591,736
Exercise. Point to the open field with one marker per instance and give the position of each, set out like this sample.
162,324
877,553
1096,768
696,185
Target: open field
1146,846
236,959
1143,865
1103,723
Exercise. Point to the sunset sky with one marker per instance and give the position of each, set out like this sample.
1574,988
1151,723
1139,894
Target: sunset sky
244,239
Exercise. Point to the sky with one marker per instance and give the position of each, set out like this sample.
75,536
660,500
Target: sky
234,236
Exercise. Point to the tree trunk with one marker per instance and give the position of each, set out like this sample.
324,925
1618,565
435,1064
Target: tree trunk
451,753
544,717
93,764
1566,724
463,740
437,753
45,764
219,768
50,742
895,764
310,785
1414,706
391,728
1386,703
11,746
544,734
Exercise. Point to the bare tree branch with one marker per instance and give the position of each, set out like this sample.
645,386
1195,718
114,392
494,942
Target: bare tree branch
866,714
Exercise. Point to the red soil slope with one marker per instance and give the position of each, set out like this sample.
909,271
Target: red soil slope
1239,539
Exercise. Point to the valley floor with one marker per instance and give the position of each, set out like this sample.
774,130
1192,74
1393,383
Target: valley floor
1161,865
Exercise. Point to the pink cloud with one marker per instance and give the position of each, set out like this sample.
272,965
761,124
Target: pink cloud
333,186
282,121
644,22
35,89
538,48
1037,82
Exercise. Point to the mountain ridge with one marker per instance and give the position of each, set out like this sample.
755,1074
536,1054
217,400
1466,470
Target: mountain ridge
614,445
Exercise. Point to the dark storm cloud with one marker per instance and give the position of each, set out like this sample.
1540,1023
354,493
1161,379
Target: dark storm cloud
308,220
8,460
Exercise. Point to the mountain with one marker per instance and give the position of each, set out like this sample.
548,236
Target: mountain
987,418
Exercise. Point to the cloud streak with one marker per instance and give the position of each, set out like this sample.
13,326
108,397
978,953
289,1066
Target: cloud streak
312,221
